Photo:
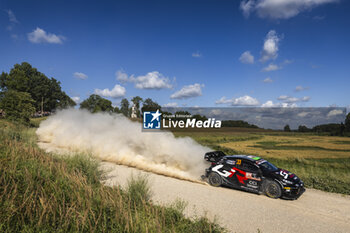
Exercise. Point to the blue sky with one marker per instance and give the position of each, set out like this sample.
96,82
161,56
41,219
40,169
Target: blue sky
186,53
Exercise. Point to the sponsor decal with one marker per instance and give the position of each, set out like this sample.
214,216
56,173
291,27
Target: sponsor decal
231,162
253,157
223,173
252,176
251,182
241,175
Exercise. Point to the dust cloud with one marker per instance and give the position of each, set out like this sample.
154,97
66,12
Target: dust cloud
115,138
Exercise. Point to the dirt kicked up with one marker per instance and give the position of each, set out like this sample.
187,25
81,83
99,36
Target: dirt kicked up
115,138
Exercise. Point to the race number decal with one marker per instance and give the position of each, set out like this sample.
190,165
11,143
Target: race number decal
284,174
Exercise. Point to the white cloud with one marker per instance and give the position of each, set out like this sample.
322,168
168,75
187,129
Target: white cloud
121,76
271,104
40,36
196,54
247,58
80,75
13,21
188,92
301,88
223,100
290,99
287,61
268,104
152,80
117,92
76,99
268,80
171,105
247,6
270,47
271,67
245,101
279,9
305,99
335,112
14,36
240,101
318,18
12,17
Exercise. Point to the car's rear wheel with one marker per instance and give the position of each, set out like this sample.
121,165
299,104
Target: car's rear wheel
214,179
272,189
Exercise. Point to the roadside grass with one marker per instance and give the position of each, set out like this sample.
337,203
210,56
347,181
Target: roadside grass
322,162
41,192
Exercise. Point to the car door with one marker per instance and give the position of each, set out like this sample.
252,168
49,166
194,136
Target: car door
248,174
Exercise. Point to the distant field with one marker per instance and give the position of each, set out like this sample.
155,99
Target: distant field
301,146
323,162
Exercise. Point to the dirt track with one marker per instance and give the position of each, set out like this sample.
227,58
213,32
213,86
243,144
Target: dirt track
238,211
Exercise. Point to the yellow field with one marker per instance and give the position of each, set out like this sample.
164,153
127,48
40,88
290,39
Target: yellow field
303,146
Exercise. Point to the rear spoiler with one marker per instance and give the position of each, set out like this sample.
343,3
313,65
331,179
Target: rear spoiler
214,156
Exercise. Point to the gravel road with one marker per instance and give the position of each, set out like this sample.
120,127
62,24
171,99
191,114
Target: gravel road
239,211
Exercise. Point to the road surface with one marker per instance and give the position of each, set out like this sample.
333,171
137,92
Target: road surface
239,211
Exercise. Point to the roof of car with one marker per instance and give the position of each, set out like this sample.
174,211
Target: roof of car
251,158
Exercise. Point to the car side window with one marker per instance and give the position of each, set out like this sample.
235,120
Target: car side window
246,166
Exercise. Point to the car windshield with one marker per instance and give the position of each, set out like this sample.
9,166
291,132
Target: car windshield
267,166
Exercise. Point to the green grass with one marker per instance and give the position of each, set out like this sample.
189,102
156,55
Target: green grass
331,175
343,142
41,192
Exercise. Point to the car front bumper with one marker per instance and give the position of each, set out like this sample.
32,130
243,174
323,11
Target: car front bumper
293,193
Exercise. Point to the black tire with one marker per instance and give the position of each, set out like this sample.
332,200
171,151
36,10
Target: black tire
214,179
272,189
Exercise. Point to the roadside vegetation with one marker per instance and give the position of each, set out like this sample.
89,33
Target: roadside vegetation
322,162
41,192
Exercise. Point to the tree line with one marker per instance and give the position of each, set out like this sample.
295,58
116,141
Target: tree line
333,129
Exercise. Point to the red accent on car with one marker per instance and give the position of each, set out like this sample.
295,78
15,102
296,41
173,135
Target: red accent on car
240,178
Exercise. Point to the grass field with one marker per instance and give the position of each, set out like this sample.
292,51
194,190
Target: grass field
41,192
322,162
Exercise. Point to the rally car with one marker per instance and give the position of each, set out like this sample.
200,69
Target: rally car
252,173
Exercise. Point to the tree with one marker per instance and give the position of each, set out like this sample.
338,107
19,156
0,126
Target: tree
116,110
124,107
199,117
136,101
65,101
150,105
347,123
18,106
237,123
286,128
96,103
44,91
341,129
303,129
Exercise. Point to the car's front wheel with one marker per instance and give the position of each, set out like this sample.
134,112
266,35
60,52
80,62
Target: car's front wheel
272,189
214,179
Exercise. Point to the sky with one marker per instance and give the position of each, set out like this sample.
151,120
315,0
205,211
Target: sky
261,53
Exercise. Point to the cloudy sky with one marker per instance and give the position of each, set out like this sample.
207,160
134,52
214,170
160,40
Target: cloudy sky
186,53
